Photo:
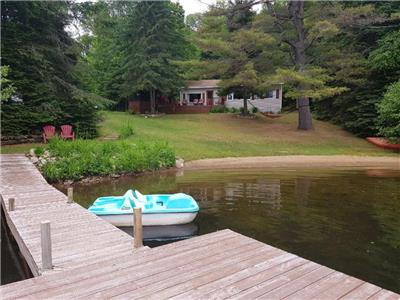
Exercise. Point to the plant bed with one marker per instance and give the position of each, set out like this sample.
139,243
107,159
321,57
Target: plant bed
383,143
64,160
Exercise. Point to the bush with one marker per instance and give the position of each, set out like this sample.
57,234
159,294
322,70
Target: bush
126,131
389,114
39,151
82,158
242,110
254,110
234,110
217,109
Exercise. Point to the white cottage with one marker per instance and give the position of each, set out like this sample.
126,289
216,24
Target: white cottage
200,93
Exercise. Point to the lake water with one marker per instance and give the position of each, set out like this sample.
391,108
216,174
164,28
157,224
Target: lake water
346,219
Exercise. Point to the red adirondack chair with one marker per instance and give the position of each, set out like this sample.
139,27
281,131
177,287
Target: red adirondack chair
48,132
67,133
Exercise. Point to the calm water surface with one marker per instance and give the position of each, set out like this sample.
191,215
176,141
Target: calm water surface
348,220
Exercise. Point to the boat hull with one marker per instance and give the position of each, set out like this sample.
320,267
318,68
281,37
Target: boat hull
154,219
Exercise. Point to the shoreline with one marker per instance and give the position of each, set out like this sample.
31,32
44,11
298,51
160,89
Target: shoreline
304,161
261,162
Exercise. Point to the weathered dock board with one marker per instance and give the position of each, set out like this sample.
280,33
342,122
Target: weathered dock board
220,265
78,236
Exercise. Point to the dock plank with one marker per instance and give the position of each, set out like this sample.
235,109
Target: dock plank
37,201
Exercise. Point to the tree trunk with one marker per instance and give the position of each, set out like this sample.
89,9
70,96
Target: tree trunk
152,101
305,120
296,12
245,109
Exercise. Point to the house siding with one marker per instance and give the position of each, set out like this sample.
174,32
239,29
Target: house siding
272,105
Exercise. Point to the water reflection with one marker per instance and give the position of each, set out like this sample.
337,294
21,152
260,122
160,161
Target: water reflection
345,219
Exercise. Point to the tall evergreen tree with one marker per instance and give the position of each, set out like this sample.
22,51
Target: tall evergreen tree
155,38
363,57
40,54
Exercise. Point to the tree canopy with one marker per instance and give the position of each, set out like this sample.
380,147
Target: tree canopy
41,57
336,59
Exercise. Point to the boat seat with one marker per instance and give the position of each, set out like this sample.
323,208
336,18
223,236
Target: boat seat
140,197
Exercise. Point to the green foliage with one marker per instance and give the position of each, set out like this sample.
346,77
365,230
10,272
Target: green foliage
246,82
243,111
42,55
126,131
360,59
389,113
234,110
217,109
254,110
387,55
39,151
154,38
74,160
7,88
313,81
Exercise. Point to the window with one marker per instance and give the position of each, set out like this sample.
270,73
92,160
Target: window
270,94
193,97
277,93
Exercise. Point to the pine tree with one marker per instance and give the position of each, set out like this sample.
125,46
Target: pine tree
41,57
154,36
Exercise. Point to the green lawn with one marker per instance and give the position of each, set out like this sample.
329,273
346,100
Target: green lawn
219,135
20,148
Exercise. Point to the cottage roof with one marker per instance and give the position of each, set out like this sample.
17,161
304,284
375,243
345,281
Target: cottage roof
201,84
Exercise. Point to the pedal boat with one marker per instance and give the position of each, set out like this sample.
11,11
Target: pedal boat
158,209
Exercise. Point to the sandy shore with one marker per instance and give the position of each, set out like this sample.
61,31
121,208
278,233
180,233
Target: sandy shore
306,161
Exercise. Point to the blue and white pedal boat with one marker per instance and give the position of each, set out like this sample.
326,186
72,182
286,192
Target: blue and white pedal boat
159,209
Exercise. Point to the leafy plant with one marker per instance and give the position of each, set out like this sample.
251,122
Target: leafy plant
81,158
389,113
126,131
217,109
39,151
254,110
243,111
7,88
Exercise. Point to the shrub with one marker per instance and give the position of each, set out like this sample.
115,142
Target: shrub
39,151
254,110
126,131
234,110
389,113
81,158
242,110
217,109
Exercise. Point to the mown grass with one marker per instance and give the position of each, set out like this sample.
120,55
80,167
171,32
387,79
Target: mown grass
199,136
82,158
19,148
222,135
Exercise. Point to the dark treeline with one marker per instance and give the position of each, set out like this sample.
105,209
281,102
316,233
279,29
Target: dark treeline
337,59
40,57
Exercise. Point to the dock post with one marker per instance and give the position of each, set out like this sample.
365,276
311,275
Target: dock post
11,204
70,195
45,236
137,228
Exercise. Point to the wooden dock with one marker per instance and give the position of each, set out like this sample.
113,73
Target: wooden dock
93,259
78,236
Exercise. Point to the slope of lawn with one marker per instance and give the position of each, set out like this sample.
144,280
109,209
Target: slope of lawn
199,136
